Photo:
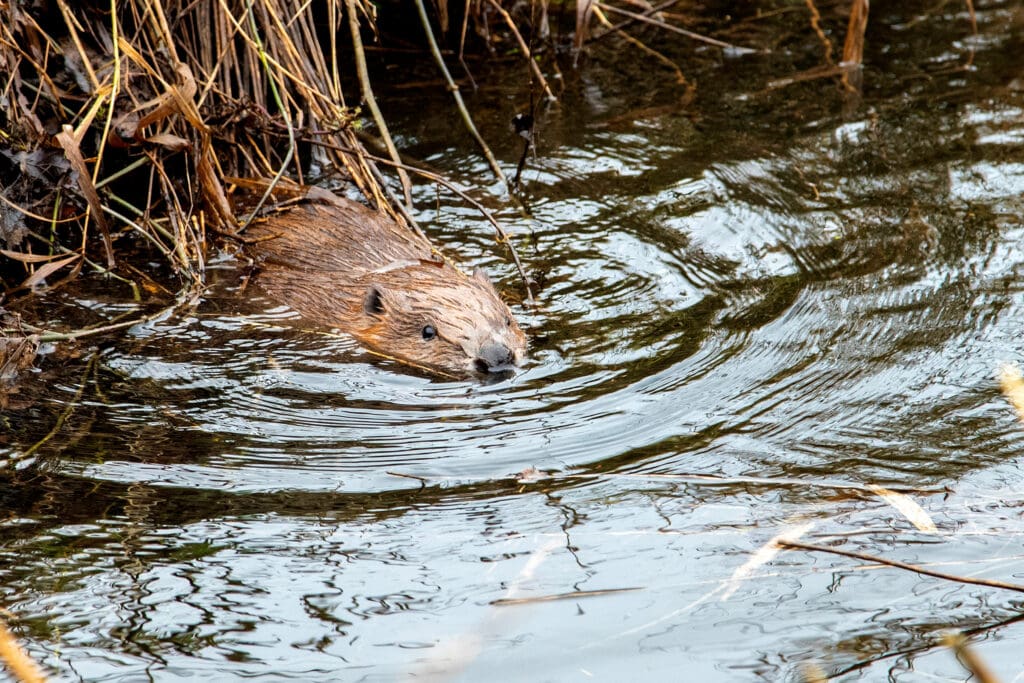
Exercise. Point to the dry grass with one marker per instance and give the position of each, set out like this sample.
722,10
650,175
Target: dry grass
128,121
21,667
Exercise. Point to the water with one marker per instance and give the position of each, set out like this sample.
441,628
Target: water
752,309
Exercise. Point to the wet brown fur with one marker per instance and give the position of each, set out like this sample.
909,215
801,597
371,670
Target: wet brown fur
339,263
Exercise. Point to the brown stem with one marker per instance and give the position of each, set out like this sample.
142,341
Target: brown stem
903,565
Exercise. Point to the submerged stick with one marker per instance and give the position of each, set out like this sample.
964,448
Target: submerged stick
680,78
657,9
454,89
62,418
990,583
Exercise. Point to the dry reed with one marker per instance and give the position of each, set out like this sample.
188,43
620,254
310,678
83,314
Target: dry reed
22,667
127,120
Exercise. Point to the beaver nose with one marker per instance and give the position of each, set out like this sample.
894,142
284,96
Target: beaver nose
494,357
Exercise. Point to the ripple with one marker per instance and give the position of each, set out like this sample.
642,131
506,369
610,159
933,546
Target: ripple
748,311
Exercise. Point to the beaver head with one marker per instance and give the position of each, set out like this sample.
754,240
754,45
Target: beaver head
428,314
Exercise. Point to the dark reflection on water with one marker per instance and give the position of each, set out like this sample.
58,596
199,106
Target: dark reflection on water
752,309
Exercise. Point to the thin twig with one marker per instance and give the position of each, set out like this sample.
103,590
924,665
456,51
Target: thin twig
36,216
49,335
462,46
680,78
503,602
421,480
991,583
816,25
115,88
675,29
974,31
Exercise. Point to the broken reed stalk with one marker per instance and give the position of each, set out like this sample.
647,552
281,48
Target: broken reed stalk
657,9
18,662
903,565
285,114
979,670
680,78
853,47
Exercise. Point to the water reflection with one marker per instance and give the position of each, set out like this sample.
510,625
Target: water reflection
749,313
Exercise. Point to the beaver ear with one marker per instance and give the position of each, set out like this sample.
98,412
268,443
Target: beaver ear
481,275
373,302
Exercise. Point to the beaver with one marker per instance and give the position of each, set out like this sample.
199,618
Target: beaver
339,263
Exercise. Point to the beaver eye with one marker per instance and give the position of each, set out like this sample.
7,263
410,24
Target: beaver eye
508,322
429,332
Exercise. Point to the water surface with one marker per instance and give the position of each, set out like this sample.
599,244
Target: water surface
753,306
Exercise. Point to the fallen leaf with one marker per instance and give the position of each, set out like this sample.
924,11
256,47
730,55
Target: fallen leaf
49,269
908,507
174,143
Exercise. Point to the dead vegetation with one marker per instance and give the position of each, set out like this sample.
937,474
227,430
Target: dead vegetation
121,123
119,127
126,122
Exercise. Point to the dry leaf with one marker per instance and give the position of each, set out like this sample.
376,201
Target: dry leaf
174,143
29,258
908,507
1012,384
69,142
49,269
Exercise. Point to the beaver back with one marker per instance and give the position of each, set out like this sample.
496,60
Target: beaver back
335,235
